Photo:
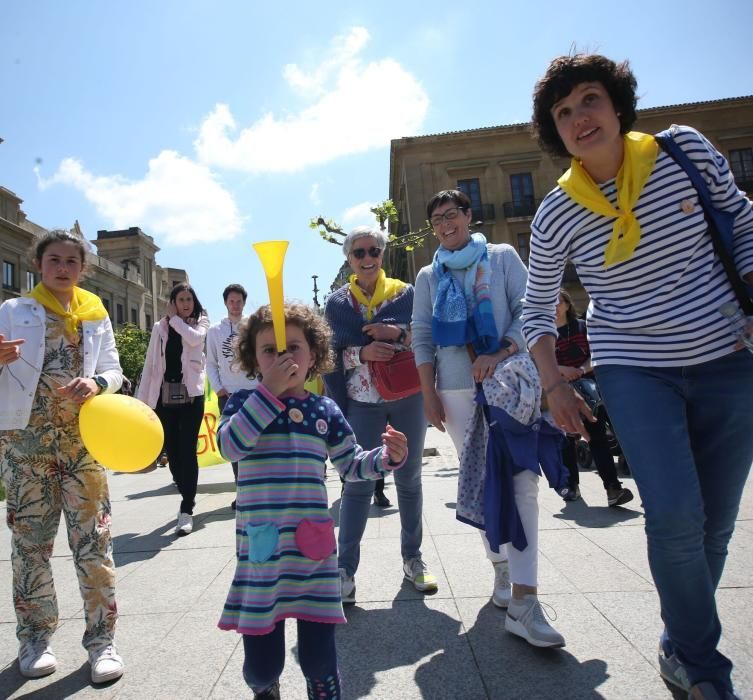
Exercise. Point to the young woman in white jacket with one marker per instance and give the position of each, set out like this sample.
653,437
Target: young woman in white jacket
57,349
176,354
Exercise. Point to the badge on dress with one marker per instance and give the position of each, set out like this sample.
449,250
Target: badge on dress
687,206
321,426
295,415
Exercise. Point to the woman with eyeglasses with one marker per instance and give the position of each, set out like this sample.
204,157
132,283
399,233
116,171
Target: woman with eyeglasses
675,380
370,322
57,350
466,328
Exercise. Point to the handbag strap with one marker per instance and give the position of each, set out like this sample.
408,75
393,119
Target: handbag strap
718,221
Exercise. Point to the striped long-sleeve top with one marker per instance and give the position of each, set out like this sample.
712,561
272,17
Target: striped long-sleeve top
285,540
660,308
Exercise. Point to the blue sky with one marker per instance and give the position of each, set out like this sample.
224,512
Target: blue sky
215,125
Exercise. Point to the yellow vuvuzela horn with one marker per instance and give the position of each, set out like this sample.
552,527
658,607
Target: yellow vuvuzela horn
272,255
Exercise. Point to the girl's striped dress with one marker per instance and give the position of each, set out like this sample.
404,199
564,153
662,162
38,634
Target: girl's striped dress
285,540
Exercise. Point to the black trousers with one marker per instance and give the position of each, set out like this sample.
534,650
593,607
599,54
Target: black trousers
221,401
600,452
181,425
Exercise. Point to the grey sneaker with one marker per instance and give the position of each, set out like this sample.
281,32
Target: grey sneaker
36,659
502,591
106,664
570,494
347,588
185,524
526,619
673,671
617,495
418,574
710,691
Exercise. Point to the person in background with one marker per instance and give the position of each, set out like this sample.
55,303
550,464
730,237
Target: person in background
466,320
281,435
574,359
370,321
57,349
675,380
224,374
176,355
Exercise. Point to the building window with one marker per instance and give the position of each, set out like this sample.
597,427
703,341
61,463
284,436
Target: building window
521,185
472,189
135,317
149,322
106,304
31,280
119,314
741,162
524,246
9,275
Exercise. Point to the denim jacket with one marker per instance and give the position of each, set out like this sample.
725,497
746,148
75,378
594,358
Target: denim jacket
26,318
193,359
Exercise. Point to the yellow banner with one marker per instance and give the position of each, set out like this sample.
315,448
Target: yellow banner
206,446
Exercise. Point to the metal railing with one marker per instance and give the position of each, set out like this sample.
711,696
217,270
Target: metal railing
517,209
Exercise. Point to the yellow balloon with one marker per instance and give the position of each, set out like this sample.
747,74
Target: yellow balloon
120,432
272,255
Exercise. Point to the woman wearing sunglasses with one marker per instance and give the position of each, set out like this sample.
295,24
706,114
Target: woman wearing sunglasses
466,322
370,321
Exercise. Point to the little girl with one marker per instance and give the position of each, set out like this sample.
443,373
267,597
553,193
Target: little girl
281,436
57,350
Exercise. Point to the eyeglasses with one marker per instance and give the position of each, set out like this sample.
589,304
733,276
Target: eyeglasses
450,215
360,253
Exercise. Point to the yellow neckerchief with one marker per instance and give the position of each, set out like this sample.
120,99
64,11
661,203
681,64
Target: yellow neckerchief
85,306
386,288
637,165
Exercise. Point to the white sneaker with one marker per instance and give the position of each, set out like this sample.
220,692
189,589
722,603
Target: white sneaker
526,619
502,587
185,524
347,588
106,664
416,571
36,659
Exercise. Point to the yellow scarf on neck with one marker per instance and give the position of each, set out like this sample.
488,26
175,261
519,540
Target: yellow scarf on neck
638,163
84,306
386,288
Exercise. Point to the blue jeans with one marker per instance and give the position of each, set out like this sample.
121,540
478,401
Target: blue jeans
687,433
368,421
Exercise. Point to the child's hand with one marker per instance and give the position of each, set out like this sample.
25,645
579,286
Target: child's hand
396,445
280,375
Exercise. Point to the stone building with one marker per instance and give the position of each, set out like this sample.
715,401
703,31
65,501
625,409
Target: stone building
121,266
506,175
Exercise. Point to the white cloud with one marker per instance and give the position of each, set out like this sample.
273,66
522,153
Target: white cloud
359,215
359,106
314,195
178,201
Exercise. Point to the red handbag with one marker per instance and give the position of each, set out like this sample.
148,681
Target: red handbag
396,378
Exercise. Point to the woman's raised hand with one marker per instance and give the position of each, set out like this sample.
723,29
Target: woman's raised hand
10,350
377,352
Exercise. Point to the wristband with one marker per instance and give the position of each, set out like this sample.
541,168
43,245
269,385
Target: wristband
550,389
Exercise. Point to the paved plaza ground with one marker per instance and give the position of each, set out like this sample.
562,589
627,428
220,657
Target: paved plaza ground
399,644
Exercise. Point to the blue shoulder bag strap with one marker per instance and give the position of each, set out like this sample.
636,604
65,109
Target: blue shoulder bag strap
720,223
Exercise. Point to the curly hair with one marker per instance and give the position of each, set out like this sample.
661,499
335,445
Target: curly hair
314,327
562,75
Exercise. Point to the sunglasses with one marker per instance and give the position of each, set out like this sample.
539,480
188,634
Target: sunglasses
360,253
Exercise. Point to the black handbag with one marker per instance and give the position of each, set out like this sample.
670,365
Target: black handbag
175,394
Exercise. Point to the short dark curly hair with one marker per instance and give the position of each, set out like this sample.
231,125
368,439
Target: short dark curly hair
310,321
562,75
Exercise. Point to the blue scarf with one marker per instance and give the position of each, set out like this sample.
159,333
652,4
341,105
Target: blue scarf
463,316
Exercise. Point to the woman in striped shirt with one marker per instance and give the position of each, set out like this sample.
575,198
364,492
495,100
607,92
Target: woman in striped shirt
675,382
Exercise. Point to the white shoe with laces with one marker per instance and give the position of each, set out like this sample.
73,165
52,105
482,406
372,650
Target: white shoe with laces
36,659
185,524
502,588
347,588
526,619
106,663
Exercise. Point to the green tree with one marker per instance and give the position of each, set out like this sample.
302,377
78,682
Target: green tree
132,343
386,214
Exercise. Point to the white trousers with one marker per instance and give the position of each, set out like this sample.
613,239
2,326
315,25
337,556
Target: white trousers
458,407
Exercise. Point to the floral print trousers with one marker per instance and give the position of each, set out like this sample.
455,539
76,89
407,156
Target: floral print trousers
47,470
